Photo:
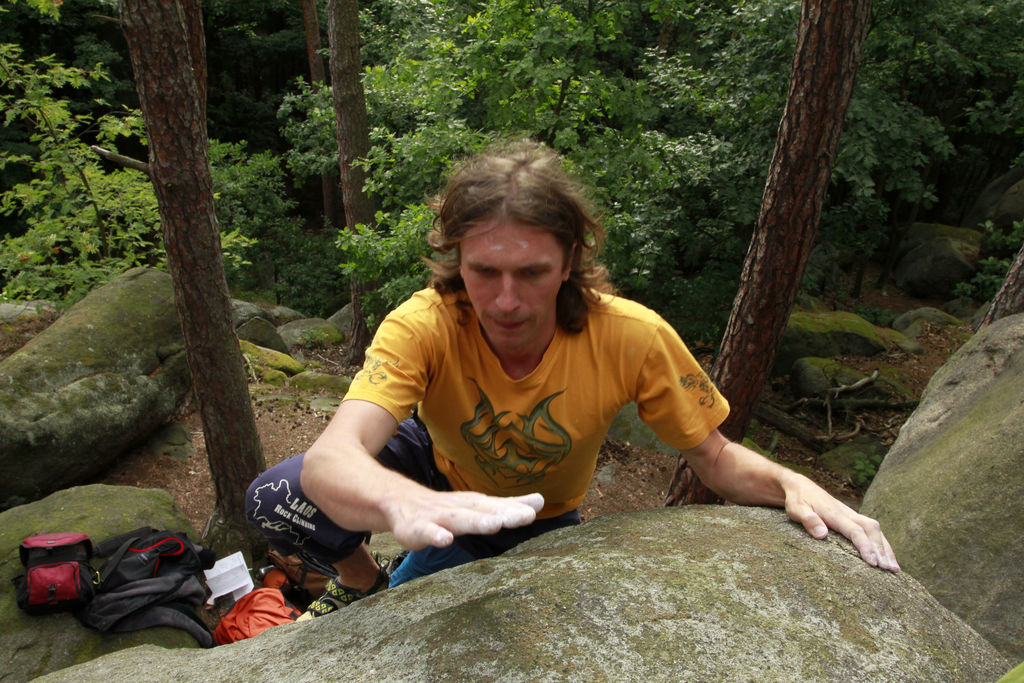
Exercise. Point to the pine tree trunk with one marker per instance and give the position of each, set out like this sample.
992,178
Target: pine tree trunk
828,50
353,139
317,75
1010,297
165,70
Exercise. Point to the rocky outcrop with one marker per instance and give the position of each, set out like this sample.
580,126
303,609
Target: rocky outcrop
1002,201
309,332
833,333
700,593
95,383
23,310
31,646
950,493
935,258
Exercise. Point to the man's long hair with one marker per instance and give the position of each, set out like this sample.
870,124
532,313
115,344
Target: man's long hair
522,182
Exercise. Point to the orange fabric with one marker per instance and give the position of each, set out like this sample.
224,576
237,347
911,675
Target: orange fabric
253,614
275,578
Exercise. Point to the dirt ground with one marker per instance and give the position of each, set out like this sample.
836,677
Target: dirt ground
627,478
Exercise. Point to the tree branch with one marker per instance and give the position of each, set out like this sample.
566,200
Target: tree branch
121,160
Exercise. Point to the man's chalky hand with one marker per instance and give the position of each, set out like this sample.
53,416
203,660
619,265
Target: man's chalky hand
435,518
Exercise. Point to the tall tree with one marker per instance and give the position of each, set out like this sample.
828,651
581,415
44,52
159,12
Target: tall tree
353,134
165,62
317,77
1010,297
828,50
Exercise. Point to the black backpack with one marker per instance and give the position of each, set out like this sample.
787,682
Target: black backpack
149,580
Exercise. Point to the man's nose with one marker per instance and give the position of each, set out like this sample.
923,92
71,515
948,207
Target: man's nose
508,295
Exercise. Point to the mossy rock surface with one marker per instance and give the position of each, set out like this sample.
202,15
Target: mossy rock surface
321,382
262,332
268,358
94,384
310,332
718,593
950,492
31,646
827,335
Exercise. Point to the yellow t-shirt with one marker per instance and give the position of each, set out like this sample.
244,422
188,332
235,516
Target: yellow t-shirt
541,433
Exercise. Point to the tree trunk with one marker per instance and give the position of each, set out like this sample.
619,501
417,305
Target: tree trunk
158,42
317,75
1010,297
828,49
353,135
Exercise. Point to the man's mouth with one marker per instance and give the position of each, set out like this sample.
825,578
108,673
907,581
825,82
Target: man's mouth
507,324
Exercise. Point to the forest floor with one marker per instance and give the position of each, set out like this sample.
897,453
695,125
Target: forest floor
628,478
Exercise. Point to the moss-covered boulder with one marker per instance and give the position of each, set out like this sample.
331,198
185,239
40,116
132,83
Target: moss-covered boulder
950,492
683,594
310,332
244,311
34,645
321,382
262,332
934,258
911,322
91,386
813,378
827,335
263,357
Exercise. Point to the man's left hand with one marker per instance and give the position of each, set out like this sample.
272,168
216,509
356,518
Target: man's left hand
811,506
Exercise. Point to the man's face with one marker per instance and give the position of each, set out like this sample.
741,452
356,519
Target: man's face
513,273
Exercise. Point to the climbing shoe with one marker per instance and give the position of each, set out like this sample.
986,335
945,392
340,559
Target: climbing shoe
337,595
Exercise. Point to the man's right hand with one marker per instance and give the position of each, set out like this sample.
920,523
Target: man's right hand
435,518
340,473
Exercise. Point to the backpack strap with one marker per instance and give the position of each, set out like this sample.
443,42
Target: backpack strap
111,545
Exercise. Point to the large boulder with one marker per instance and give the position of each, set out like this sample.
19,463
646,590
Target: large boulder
933,270
685,594
310,332
34,645
829,334
94,384
24,310
1002,201
934,258
950,493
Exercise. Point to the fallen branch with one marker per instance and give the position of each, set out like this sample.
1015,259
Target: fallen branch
120,159
842,438
787,424
862,382
855,404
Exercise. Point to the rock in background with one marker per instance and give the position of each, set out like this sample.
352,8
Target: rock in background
98,381
950,492
34,645
683,594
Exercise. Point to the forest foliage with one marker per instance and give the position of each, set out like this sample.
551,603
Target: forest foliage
666,109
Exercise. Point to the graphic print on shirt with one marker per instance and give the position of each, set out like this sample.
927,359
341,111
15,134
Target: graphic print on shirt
515,450
374,370
699,381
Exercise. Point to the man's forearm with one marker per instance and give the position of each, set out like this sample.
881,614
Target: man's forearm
738,474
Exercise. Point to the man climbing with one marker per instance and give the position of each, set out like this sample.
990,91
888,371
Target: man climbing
476,420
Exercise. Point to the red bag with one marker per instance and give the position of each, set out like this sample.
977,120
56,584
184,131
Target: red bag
58,575
254,613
